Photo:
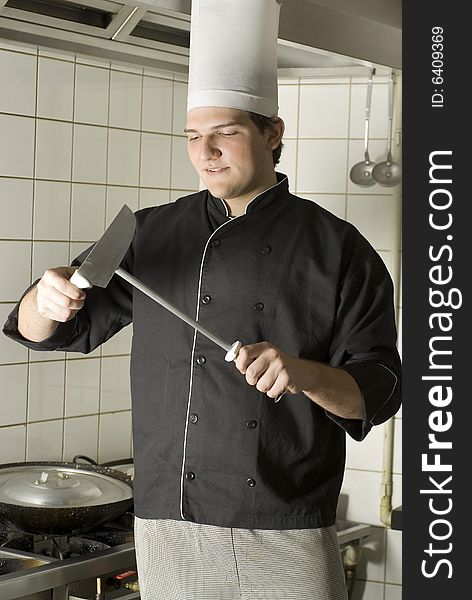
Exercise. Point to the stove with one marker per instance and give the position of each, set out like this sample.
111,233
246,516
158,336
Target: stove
35,567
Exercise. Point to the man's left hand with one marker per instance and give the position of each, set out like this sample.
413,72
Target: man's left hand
273,371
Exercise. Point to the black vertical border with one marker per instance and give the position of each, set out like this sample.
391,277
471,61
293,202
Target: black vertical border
427,129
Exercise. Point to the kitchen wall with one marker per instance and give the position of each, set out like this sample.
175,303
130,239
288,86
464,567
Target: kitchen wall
78,138
324,139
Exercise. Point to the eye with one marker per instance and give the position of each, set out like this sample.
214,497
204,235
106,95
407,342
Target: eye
227,133
192,138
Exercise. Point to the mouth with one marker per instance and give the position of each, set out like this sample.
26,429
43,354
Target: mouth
216,171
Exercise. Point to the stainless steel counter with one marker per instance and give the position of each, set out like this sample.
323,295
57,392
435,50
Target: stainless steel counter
54,581
46,578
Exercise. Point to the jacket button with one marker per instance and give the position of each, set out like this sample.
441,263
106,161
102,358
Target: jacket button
266,250
206,299
190,475
251,482
193,418
201,360
258,306
215,243
251,424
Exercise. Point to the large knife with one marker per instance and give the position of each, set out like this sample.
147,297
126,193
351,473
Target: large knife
102,262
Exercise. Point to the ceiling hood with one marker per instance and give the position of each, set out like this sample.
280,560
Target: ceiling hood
335,36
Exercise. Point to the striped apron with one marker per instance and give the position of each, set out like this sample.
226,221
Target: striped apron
181,560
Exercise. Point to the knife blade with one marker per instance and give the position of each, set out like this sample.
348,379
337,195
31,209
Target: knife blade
105,256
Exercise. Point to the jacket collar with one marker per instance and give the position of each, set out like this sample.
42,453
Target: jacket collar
259,202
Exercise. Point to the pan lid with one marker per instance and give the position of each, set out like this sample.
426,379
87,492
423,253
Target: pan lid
61,485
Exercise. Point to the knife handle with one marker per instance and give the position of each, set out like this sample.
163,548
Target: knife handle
80,281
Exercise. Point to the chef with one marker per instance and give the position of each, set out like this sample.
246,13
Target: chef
235,493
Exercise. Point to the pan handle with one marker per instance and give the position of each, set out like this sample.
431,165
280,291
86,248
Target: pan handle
77,457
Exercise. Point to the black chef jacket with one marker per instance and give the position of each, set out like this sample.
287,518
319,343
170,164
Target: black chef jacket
208,447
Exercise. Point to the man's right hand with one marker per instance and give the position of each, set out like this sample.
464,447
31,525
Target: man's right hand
57,298
52,301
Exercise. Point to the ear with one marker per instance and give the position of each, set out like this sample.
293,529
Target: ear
276,133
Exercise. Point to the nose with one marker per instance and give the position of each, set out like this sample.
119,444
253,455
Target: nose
208,149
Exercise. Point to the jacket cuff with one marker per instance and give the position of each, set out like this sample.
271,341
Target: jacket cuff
379,385
54,342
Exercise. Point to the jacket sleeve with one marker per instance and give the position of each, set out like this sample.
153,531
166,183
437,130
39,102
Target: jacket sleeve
364,344
105,312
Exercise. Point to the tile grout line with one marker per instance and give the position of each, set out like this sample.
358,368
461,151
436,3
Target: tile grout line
68,358
33,210
83,61
100,366
65,366
297,143
80,416
348,157
140,140
71,194
171,162
385,562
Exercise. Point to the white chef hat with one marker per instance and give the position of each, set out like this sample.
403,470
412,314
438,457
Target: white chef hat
233,55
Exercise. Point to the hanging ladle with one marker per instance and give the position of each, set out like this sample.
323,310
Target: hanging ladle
387,172
361,172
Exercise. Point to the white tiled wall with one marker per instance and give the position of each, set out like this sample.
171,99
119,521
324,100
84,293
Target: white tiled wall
324,139
78,138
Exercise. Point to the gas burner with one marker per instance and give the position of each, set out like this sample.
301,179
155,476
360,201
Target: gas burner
109,538
17,540
71,564
66,546
58,547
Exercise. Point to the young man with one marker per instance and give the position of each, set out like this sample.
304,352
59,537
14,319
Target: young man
236,494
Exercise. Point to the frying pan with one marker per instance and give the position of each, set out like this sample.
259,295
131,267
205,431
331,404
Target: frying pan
126,465
59,498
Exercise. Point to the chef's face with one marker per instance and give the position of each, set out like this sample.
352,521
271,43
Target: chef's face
229,153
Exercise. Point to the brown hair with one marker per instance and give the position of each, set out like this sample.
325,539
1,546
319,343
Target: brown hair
263,123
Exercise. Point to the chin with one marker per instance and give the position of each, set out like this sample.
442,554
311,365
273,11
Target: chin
218,191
